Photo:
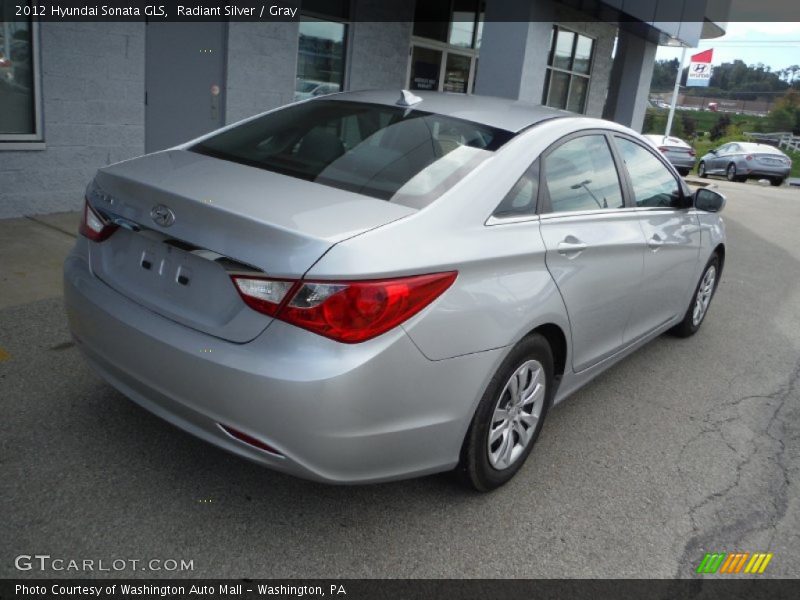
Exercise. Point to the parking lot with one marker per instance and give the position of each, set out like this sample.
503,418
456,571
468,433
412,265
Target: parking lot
685,447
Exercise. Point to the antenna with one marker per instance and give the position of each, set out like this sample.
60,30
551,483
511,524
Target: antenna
408,99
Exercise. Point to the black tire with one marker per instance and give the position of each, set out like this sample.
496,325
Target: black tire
701,170
474,468
730,173
684,171
776,181
687,327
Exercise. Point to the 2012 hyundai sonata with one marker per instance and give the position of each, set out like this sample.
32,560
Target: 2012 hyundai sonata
362,287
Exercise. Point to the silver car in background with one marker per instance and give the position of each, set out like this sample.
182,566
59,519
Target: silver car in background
675,150
740,161
358,288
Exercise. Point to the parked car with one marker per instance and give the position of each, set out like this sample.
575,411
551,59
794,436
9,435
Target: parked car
6,68
330,290
311,89
678,152
740,161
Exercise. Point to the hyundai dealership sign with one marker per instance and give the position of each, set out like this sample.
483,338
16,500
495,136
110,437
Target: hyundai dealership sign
700,69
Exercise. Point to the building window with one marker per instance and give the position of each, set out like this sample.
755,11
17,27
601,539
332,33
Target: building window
20,98
444,52
569,67
321,48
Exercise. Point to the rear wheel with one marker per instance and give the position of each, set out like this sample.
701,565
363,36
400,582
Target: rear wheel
509,417
684,171
701,169
698,308
776,181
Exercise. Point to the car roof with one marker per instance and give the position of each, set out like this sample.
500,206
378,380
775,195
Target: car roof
754,147
502,113
660,139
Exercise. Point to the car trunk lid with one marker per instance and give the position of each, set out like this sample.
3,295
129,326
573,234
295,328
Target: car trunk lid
227,218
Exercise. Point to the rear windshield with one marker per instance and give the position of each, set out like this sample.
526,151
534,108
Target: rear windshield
391,153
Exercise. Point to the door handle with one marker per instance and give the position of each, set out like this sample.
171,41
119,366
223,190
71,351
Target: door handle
655,242
571,247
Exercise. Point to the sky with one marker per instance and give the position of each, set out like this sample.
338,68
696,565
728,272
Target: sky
774,44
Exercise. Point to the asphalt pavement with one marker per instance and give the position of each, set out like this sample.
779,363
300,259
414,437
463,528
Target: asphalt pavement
686,447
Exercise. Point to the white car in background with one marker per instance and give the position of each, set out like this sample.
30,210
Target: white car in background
675,150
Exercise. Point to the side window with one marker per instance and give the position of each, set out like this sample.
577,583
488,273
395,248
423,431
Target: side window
581,175
653,183
724,149
521,200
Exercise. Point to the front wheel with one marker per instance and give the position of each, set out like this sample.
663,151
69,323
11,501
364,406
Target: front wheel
701,300
509,416
701,170
731,173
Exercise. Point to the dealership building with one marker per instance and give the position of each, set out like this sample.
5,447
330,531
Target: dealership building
75,96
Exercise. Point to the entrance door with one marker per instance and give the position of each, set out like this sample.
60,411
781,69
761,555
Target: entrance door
440,69
184,81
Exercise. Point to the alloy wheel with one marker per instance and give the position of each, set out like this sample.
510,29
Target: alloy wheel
516,415
704,293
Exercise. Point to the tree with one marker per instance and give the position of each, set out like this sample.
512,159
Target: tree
781,119
720,128
689,125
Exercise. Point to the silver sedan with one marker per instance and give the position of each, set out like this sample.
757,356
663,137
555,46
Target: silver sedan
740,161
362,287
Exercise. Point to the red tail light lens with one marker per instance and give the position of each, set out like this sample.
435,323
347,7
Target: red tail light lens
692,152
95,227
347,311
664,149
749,157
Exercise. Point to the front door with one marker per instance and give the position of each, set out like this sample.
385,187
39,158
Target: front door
594,245
184,81
672,235
441,69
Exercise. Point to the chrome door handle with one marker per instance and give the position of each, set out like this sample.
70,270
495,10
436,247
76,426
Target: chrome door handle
570,248
655,242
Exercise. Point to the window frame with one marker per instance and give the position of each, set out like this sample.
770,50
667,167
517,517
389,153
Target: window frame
532,172
35,140
544,206
571,73
682,187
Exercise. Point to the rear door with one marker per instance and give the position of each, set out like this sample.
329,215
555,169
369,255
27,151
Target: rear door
672,234
594,243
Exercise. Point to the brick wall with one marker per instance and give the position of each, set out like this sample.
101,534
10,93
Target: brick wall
93,111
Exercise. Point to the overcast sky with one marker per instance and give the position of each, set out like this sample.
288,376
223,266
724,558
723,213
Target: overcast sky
774,44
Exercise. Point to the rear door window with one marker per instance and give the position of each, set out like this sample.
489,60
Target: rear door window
387,152
580,175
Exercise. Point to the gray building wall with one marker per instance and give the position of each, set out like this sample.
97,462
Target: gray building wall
262,67
93,112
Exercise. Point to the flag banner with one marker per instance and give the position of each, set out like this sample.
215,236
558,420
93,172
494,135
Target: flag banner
700,69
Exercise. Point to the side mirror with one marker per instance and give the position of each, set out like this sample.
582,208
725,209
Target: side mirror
709,200
712,151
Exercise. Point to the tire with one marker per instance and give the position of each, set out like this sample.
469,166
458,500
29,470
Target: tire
684,171
691,324
776,181
485,466
701,170
730,173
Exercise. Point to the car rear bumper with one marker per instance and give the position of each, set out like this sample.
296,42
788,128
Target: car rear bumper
682,163
782,172
335,412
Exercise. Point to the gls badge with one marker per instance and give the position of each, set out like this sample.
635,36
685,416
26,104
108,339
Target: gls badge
162,215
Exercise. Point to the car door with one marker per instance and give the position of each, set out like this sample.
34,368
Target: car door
594,243
722,158
672,232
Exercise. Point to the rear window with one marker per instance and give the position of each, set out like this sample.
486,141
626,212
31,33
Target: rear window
391,153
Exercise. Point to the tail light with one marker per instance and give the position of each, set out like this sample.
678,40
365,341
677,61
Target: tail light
749,157
664,149
4,62
692,152
93,226
345,311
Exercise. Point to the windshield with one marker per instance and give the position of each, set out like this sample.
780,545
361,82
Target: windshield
391,153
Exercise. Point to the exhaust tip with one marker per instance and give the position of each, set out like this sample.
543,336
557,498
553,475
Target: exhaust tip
250,440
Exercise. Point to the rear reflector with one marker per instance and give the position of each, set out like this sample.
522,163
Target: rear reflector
93,226
345,311
249,440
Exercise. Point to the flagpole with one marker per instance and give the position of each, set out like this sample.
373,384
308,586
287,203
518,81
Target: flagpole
675,94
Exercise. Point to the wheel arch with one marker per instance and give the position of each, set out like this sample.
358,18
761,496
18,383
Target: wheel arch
557,339
720,252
